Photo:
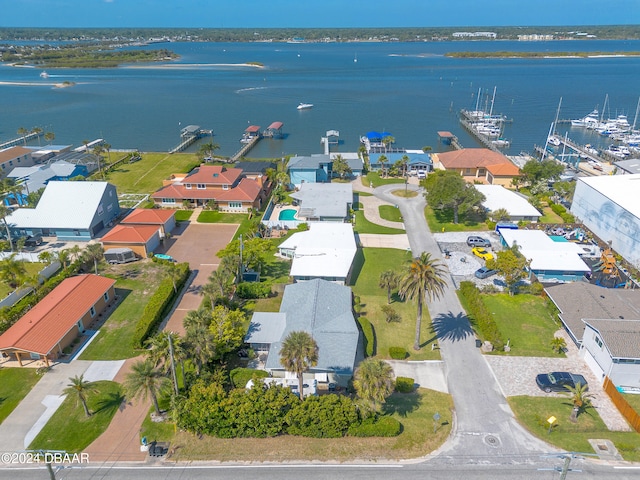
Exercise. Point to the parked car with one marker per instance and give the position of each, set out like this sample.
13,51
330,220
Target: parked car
559,381
33,240
476,241
482,253
484,272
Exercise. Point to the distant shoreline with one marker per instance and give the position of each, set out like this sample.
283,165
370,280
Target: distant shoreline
541,55
193,65
40,84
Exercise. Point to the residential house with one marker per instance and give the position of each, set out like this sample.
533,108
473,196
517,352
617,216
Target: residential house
226,187
324,251
318,168
36,177
418,161
580,300
45,331
71,211
611,348
497,197
163,219
322,309
324,202
142,239
13,157
473,164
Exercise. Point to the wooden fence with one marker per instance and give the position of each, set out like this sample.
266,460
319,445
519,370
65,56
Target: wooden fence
623,406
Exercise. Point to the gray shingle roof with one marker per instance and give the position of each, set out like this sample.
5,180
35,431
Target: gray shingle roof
622,337
325,199
579,300
322,309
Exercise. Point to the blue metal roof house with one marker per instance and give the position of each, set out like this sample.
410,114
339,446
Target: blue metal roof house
318,168
418,161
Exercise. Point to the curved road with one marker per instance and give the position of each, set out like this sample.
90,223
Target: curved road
485,429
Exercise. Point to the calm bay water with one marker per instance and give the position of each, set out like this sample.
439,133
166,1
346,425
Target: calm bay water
408,89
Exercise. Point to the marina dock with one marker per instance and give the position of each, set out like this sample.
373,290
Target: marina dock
189,135
17,141
250,138
484,140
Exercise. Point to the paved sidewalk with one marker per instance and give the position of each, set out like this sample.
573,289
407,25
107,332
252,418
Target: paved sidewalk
517,376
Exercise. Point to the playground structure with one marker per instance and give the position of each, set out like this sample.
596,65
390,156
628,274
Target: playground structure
606,272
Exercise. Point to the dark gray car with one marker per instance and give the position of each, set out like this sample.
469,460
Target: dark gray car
476,241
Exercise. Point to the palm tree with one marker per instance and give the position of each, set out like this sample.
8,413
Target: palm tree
45,257
159,352
389,280
12,271
382,159
196,318
404,163
107,148
49,137
207,149
80,387
175,274
93,253
4,213
98,150
63,257
222,280
558,344
75,252
423,280
373,382
388,140
299,352
581,399
200,346
211,292
500,215
37,131
23,133
145,380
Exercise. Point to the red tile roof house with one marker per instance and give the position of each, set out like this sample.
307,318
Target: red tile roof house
226,186
477,165
165,220
57,320
142,239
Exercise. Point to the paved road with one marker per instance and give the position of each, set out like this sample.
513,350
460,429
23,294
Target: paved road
484,424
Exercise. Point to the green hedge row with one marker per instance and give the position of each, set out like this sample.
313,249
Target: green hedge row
158,306
398,353
380,427
404,384
562,213
241,376
248,290
484,323
369,336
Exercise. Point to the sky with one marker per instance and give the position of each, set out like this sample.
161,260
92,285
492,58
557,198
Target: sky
314,13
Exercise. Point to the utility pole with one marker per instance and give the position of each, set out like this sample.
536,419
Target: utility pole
173,362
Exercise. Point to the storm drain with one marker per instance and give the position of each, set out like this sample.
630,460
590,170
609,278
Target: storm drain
492,440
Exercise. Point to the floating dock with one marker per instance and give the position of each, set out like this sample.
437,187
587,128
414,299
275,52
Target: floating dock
189,135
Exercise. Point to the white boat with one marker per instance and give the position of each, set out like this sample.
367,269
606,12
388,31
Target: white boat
553,140
304,106
44,74
590,120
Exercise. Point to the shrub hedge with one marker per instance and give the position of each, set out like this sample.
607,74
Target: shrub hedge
404,384
158,306
484,323
248,290
369,336
241,376
376,427
562,213
398,353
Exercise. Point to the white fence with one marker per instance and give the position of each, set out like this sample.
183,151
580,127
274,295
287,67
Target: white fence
16,295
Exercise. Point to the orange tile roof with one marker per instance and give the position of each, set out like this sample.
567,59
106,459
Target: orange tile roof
130,234
13,152
213,175
42,327
471,158
504,170
152,216
247,190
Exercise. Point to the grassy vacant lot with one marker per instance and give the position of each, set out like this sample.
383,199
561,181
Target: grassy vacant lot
15,383
211,216
634,401
549,216
70,430
532,412
146,175
373,178
415,411
365,226
390,212
526,321
32,269
369,264
439,220
134,285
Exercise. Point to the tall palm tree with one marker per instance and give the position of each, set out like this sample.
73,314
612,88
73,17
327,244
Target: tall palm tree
4,213
424,279
46,257
75,252
12,271
23,133
197,318
581,399
389,280
98,150
404,163
210,291
145,380
200,346
207,149
80,388
175,274
49,137
382,159
63,257
299,352
160,350
93,253
222,280
107,148
373,382
37,131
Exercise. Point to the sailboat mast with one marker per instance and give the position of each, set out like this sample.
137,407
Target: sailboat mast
635,119
492,100
478,99
546,144
555,122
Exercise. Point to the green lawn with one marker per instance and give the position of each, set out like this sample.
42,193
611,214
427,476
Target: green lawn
526,321
70,430
146,175
211,216
158,431
633,400
31,268
365,226
390,212
532,412
113,342
369,264
183,215
442,221
415,411
549,216
373,178
15,383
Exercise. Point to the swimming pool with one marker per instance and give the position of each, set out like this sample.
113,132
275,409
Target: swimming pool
558,238
288,214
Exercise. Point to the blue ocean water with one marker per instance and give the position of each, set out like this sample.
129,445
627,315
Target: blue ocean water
409,89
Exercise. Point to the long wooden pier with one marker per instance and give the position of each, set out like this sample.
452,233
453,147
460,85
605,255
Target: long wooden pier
24,139
190,134
245,148
483,139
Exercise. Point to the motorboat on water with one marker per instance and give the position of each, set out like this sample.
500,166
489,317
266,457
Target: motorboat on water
44,74
591,120
304,106
553,140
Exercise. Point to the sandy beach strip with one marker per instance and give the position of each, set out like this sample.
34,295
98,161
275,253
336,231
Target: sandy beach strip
194,65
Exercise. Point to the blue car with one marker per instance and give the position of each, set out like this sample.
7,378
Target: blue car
485,272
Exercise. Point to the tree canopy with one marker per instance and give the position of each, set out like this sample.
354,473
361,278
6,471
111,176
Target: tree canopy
341,167
446,189
534,171
511,264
